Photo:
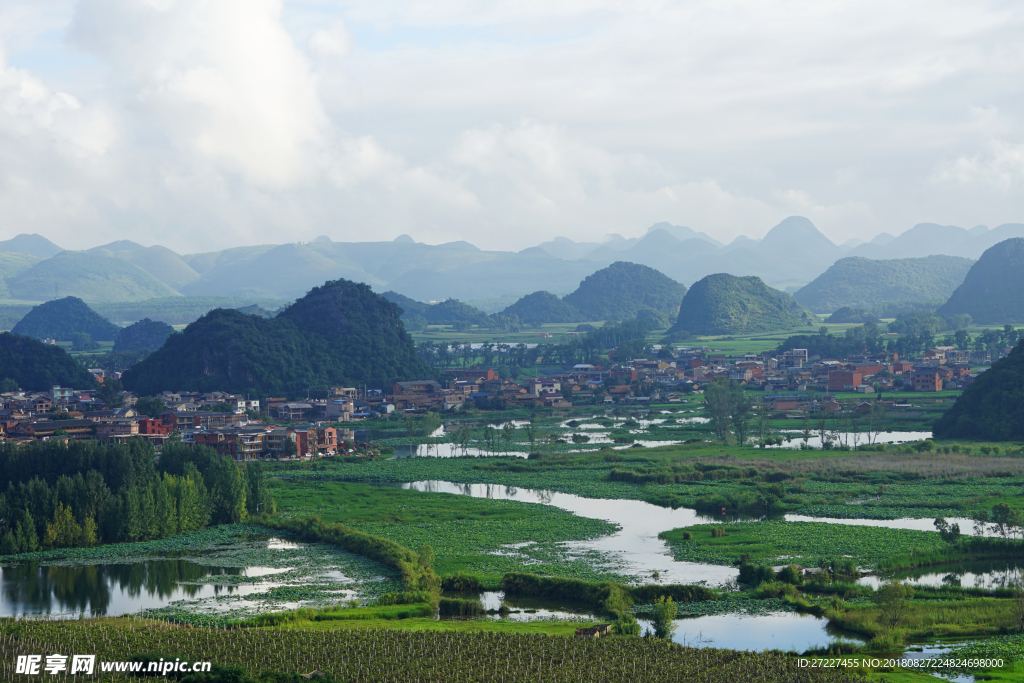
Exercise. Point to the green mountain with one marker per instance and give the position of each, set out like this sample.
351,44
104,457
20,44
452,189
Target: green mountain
448,312
160,262
338,333
726,304
410,307
620,290
857,282
543,307
145,335
63,318
992,291
36,366
92,277
33,244
12,263
176,310
852,315
992,407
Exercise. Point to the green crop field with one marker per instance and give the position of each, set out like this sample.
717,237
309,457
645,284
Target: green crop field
391,655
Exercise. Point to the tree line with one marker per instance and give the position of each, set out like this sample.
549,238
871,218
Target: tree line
83,493
918,333
630,337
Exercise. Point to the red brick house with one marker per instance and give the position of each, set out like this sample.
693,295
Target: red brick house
843,380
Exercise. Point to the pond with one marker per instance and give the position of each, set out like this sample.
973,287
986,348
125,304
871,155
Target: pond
773,631
974,574
114,589
848,439
739,631
216,572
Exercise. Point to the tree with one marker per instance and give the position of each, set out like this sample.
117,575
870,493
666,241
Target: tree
626,625
876,416
151,406
82,341
763,424
8,384
893,600
739,411
716,400
664,614
948,533
508,434
110,392
531,433
1006,520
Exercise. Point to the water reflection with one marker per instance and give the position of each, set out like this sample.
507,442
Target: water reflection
861,439
977,574
31,588
774,631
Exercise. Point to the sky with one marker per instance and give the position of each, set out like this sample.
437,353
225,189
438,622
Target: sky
206,124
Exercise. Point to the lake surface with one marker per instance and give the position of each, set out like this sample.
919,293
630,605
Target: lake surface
975,574
114,589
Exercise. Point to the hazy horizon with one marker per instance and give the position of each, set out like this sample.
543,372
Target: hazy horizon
205,124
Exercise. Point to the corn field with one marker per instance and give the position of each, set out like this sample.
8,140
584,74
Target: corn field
394,656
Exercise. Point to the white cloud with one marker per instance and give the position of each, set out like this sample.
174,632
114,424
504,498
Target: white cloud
1000,167
208,123
223,77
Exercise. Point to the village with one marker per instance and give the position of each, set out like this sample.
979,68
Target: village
282,429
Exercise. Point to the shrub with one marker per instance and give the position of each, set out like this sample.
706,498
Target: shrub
789,574
460,608
462,582
664,614
626,625
755,574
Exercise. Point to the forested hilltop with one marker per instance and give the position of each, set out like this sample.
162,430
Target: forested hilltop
726,304
35,366
991,292
857,282
543,307
621,290
992,407
339,333
63,318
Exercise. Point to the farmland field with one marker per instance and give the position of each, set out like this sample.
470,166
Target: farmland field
394,655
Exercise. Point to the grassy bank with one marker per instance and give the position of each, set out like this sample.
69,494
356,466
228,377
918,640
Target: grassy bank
471,535
813,543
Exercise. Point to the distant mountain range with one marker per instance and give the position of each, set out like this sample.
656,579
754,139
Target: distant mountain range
791,254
